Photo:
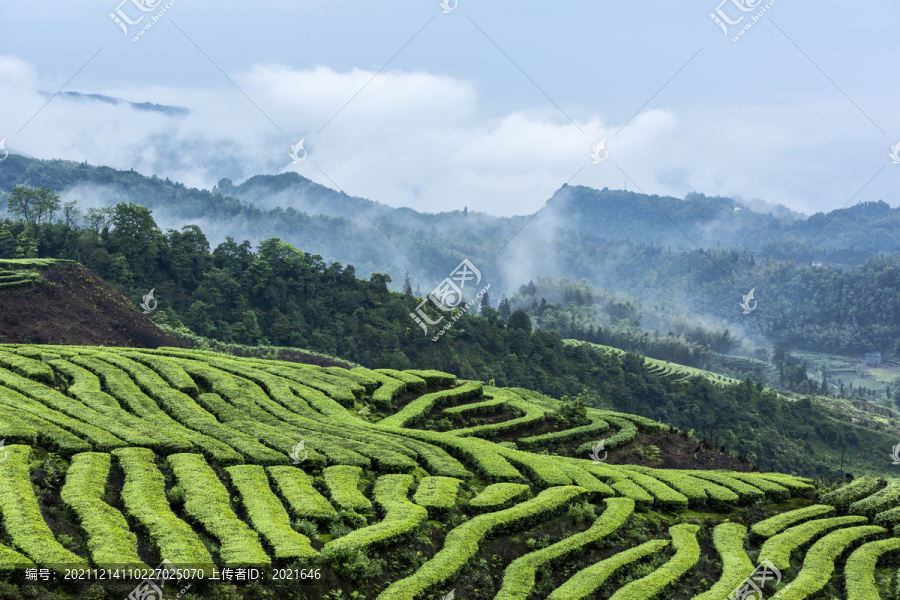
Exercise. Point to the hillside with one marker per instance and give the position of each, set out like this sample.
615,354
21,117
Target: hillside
60,302
384,484
803,307
318,309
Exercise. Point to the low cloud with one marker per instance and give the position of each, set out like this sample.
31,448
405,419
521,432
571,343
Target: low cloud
422,140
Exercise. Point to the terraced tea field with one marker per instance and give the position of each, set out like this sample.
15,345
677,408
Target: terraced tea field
18,273
669,370
388,485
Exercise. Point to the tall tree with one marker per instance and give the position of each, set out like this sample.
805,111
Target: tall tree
136,236
407,286
34,206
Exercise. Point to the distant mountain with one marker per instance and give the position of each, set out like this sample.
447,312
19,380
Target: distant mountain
700,221
172,111
654,248
556,241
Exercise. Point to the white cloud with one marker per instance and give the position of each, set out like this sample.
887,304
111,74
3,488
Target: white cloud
421,140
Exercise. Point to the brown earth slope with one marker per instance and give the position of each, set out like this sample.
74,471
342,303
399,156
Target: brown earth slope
68,304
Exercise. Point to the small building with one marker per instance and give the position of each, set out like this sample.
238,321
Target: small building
872,359
816,264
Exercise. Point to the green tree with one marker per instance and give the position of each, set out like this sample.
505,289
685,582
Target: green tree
7,242
34,206
519,320
136,236
98,219
26,245
504,309
485,304
71,213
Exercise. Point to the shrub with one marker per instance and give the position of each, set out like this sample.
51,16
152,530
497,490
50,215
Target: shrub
582,477
109,539
53,436
267,514
480,454
401,518
433,378
207,502
843,497
664,497
882,500
778,548
555,437
26,367
342,482
461,544
125,390
533,414
728,538
45,408
795,484
388,387
643,423
545,471
437,494
859,572
747,493
588,580
168,369
357,375
818,565
296,488
498,496
772,525
10,561
413,382
688,486
22,517
144,497
772,490
519,577
306,527
417,409
477,409
187,412
687,553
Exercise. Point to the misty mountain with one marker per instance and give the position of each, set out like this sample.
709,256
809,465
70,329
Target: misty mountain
581,233
172,111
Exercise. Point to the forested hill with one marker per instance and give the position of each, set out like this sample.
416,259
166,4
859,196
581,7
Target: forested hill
580,233
278,294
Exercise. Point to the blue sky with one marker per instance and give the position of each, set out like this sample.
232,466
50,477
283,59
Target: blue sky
802,110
